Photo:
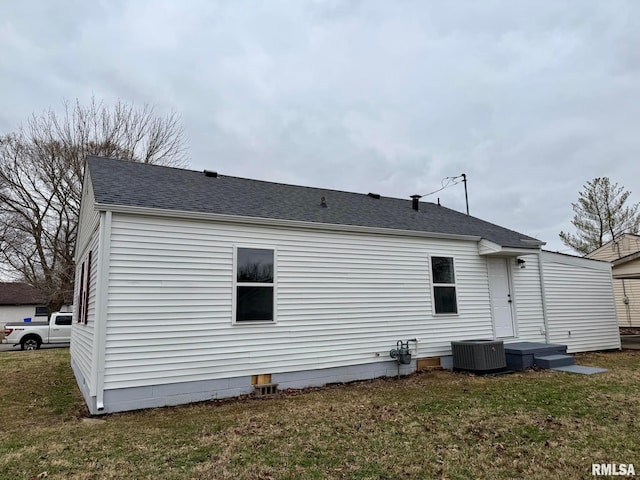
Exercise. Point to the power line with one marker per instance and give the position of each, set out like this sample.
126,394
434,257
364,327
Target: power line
450,182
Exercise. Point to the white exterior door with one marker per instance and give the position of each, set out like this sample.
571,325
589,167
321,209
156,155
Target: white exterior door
501,301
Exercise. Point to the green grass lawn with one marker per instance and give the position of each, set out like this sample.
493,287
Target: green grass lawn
438,424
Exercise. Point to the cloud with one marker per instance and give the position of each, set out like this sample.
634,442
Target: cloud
530,100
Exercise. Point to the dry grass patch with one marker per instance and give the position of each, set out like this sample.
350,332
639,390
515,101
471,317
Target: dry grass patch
537,424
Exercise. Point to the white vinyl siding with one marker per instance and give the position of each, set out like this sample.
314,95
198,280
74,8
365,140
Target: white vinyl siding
342,299
88,221
82,335
580,303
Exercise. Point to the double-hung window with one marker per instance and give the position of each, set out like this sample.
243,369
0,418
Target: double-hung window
254,285
444,285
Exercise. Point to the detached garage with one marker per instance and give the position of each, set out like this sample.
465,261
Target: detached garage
579,302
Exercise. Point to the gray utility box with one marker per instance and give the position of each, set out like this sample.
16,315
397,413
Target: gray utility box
479,356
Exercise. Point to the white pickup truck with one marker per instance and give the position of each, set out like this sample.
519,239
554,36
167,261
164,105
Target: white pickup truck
30,335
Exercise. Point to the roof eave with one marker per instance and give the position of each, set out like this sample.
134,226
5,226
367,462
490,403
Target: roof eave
487,248
627,258
275,222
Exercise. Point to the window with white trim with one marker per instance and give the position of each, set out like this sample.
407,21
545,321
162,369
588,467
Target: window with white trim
254,285
444,285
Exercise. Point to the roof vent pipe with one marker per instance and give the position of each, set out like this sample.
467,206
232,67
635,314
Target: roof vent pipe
415,203
210,173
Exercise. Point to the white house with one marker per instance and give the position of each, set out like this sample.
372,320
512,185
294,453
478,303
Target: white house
20,301
193,285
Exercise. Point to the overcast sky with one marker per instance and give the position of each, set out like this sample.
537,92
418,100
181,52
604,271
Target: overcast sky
529,99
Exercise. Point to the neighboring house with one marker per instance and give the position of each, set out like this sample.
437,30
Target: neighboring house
193,285
19,301
624,254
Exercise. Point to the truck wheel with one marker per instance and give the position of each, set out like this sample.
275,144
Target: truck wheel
30,343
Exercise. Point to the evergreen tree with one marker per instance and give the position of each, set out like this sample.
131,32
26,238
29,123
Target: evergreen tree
600,216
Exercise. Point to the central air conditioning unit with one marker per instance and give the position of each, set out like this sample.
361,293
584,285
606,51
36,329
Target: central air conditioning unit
479,356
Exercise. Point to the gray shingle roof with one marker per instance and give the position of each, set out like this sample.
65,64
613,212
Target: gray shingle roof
19,293
118,182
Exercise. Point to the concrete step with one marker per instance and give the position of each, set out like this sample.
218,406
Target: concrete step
534,348
580,369
520,354
551,361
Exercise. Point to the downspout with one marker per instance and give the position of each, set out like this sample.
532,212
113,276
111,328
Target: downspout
102,287
545,317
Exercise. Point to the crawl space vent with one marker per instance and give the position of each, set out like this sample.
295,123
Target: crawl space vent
267,389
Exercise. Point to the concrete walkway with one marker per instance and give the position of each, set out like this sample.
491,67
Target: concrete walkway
631,342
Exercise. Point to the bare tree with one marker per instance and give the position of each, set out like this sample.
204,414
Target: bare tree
41,169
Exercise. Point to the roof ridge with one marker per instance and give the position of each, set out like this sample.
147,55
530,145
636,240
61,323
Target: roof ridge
135,162
270,182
